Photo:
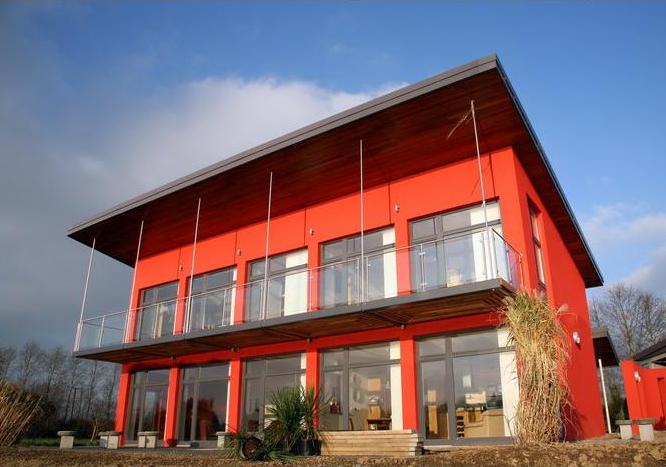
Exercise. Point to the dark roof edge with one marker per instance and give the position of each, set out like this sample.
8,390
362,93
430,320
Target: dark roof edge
601,332
551,172
355,113
656,348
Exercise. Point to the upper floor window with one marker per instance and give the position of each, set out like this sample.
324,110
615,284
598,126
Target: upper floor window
157,311
535,221
212,299
281,292
347,278
451,249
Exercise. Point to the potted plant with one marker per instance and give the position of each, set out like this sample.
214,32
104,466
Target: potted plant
293,413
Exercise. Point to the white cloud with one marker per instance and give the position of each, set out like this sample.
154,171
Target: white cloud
652,275
187,127
619,223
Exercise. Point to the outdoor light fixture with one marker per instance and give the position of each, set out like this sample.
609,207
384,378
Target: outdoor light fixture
637,376
576,338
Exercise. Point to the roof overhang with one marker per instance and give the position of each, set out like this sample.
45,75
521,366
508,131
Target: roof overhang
320,162
650,353
603,347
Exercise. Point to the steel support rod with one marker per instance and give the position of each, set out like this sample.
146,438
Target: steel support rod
136,265
490,244
85,294
264,295
362,209
194,252
603,389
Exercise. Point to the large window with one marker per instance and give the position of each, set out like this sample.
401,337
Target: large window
468,386
157,311
284,291
203,402
536,241
147,411
451,249
263,377
346,278
363,387
212,299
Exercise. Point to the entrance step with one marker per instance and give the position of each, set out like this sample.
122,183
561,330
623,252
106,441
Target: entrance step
398,443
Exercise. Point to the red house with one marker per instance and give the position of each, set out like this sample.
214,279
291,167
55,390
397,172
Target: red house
365,254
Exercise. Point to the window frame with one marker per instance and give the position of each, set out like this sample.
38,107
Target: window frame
536,231
346,367
262,378
448,358
142,387
195,382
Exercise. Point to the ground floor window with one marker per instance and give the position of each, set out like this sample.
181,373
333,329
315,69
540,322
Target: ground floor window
468,386
147,411
203,402
263,377
363,388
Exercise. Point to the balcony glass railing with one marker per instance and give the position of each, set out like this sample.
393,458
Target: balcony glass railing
464,259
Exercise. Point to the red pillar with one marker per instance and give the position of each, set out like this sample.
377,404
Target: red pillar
410,419
123,399
235,395
312,368
172,407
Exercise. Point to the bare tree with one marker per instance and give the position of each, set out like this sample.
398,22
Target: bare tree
7,357
27,364
636,319
53,365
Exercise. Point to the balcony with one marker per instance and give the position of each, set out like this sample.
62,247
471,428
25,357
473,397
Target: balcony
466,274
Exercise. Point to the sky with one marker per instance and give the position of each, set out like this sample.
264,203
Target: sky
101,101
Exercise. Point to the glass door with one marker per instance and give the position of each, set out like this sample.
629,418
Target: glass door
147,411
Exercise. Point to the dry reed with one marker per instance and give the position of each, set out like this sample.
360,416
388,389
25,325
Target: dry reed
18,408
542,354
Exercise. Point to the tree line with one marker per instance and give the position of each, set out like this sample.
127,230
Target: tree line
76,394
636,319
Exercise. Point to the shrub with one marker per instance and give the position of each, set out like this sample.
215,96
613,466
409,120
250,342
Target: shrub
18,409
542,353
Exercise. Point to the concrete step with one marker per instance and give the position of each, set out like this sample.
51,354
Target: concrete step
399,443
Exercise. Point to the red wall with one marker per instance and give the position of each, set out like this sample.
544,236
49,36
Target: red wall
453,186
646,398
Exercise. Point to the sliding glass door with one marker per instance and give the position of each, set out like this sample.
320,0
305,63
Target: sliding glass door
147,410
203,403
468,387
363,388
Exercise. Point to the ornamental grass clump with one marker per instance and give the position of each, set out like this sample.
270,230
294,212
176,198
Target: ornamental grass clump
18,409
542,354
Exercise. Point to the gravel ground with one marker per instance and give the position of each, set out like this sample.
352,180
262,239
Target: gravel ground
606,453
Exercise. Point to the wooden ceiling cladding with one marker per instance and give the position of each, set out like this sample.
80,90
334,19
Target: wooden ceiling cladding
400,140
342,320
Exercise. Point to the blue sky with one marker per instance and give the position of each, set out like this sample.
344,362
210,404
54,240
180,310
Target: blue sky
100,101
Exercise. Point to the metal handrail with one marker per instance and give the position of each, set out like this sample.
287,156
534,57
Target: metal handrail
491,268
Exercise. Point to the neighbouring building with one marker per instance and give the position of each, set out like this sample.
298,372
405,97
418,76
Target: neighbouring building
366,255
645,384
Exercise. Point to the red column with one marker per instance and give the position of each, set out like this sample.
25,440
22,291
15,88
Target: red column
181,304
410,419
123,399
312,368
235,395
172,407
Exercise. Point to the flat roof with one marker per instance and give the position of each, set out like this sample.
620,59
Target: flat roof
604,348
312,163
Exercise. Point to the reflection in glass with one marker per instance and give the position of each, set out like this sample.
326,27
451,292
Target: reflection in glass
148,408
203,406
478,396
433,384
370,398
